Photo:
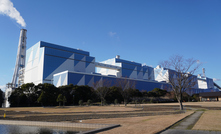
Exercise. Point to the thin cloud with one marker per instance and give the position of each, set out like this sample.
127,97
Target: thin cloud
2,87
7,8
200,62
215,79
111,34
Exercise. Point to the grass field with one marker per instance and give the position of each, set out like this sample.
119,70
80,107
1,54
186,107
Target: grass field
71,109
210,120
106,108
132,119
140,125
203,104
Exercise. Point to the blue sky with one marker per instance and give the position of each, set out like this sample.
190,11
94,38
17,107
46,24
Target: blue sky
144,31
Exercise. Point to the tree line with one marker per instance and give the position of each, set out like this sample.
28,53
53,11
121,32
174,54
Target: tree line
30,95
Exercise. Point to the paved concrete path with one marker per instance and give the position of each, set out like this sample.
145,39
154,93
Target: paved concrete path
189,121
183,127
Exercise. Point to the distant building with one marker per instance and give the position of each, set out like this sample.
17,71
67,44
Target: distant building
210,96
202,83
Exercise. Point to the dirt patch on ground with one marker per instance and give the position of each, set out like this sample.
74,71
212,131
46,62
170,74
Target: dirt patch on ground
210,120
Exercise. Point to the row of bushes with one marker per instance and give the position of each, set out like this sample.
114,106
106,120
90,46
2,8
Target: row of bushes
49,95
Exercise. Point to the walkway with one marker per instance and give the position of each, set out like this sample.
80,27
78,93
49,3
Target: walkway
188,123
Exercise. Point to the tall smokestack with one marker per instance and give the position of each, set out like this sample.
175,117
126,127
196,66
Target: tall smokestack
18,76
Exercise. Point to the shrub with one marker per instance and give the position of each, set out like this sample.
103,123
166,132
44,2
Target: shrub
143,101
151,100
80,102
89,102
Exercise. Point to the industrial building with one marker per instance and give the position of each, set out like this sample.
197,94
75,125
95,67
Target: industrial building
59,65
199,83
50,63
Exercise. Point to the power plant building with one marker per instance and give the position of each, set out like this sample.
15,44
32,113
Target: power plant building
59,65
50,63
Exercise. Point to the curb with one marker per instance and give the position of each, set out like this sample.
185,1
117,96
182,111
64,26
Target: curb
99,129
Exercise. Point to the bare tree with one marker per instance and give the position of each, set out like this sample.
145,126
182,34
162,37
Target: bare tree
102,89
179,72
125,86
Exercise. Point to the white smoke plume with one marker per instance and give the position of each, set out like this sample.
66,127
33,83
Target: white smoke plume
7,8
